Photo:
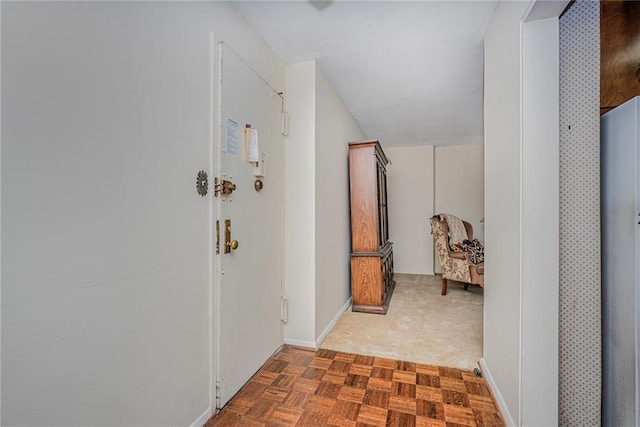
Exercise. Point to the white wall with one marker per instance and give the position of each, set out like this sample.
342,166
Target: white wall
424,181
335,128
540,221
410,184
521,213
459,184
318,244
502,203
300,164
106,255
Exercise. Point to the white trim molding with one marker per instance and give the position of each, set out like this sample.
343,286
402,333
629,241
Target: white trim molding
203,418
333,322
300,343
502,405
316,344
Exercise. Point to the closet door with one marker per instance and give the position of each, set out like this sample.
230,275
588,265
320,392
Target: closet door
637,255
619,181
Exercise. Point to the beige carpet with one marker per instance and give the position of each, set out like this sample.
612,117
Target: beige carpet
420,326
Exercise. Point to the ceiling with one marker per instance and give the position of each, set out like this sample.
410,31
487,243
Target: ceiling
410,72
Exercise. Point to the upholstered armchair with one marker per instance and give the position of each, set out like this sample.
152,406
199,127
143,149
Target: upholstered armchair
455,265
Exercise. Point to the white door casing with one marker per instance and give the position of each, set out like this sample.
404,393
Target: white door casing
249,278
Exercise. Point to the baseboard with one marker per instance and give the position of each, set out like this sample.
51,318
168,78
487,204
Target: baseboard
202,419
420,273
333,322
300,343
316,344
502,405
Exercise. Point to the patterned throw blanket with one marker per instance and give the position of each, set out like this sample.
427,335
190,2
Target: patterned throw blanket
475,250
457,232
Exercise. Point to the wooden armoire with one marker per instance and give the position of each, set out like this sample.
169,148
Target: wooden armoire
372,280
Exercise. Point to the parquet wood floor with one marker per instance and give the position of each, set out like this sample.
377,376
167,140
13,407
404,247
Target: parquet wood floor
301,387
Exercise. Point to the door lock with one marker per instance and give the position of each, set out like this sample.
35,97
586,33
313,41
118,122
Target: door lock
228,243
222,186
218,237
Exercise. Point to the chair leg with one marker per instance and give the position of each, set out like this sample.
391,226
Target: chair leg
444,286
466,286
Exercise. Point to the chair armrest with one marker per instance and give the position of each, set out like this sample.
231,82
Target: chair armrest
477,274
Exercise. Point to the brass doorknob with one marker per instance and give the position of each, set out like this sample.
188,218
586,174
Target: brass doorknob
233,244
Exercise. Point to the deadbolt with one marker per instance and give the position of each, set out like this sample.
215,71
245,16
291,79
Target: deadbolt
223,186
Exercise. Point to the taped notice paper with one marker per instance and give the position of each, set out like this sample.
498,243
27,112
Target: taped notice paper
251,145
233,137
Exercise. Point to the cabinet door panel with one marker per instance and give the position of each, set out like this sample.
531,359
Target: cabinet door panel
367,280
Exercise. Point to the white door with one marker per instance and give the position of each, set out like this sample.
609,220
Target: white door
250,276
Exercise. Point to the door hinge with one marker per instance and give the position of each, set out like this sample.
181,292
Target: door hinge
284,309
